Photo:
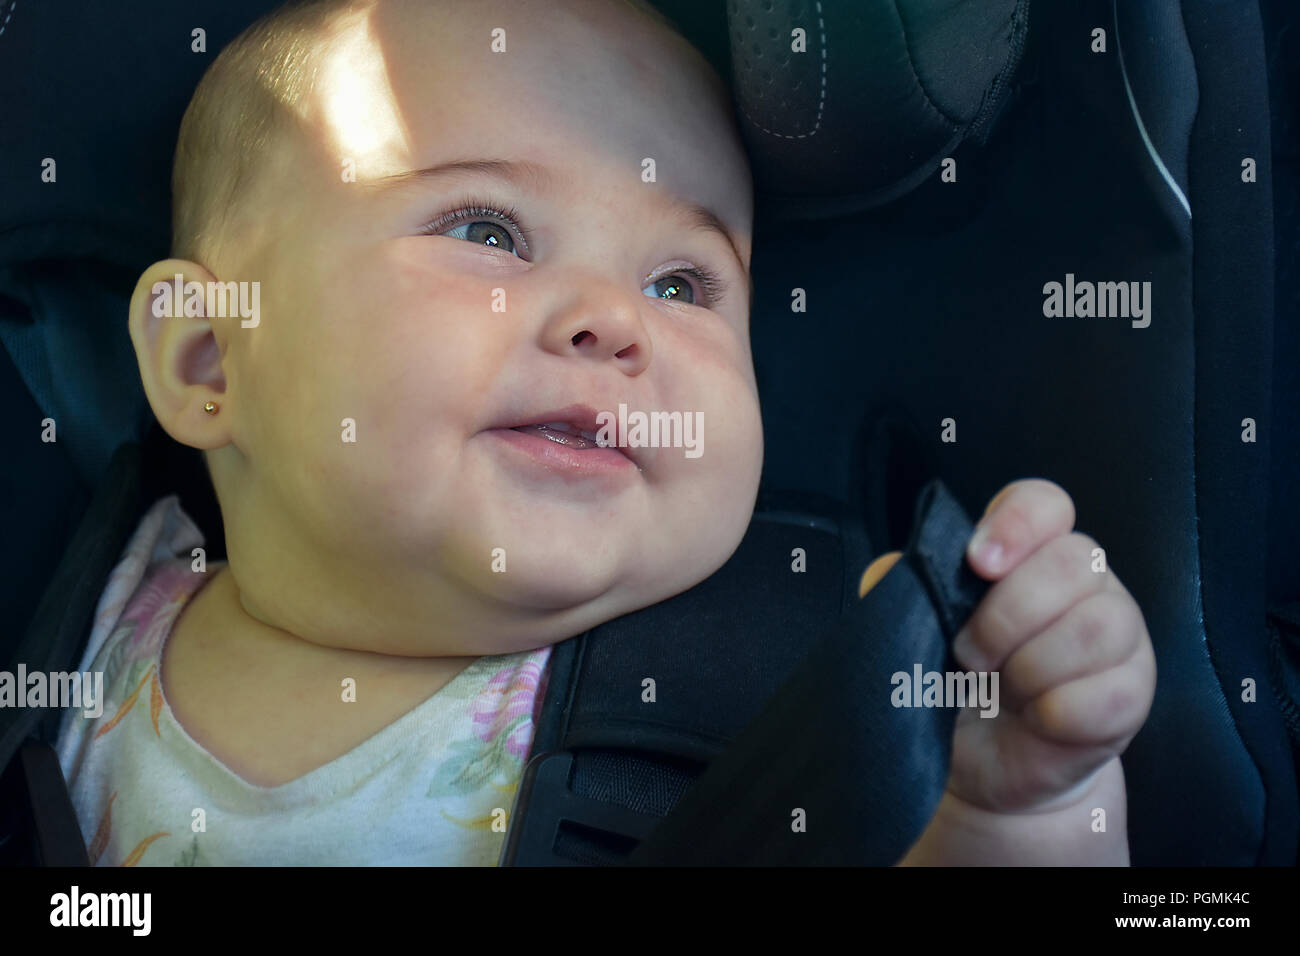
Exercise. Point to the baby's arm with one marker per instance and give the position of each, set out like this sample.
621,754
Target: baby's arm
961,834
1077,676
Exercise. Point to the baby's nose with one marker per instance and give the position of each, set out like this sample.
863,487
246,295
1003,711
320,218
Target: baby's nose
603,323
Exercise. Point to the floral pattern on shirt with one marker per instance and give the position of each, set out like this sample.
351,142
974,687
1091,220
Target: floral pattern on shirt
502,719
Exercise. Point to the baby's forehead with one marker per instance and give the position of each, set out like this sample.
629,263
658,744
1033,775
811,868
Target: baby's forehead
589,91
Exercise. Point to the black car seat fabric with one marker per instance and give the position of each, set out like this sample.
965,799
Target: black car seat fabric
1117,166
612,754
1282,43
1282,39
743,735
86,144
920,313
831,746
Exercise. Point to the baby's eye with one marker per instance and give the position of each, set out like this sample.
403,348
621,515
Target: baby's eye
671,287
482,224
484,233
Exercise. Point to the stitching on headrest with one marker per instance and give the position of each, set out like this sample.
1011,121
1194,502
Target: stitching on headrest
821,100
12,5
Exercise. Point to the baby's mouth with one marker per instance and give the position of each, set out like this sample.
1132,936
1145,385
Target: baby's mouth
561,433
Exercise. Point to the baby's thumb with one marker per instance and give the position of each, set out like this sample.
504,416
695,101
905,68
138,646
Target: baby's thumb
876,570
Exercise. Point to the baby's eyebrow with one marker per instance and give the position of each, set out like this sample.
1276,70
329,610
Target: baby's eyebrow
538,178
701,217
519,171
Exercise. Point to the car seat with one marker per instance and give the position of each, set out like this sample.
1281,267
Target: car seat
924,169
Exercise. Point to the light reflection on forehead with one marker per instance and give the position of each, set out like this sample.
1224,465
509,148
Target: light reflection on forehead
358,110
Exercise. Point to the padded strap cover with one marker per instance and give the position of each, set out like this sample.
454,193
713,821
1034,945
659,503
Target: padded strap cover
832,743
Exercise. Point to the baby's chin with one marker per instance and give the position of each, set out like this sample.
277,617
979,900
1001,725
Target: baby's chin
574,596
556,588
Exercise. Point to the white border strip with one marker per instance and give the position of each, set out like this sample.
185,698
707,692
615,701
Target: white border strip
1155,157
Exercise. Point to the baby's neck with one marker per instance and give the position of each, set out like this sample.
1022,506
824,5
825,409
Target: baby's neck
272,706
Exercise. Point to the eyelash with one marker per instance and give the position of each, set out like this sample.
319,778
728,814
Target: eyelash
706,280
474,211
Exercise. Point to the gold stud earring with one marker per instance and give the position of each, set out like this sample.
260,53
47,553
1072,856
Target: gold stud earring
210,407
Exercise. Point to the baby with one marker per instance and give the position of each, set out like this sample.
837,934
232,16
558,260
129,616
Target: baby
468,228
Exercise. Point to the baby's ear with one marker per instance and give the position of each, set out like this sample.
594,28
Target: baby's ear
177,348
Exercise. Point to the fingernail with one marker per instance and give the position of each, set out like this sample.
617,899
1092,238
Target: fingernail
963,648
983,551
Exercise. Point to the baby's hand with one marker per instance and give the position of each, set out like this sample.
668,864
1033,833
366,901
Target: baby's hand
1077,667
1077,676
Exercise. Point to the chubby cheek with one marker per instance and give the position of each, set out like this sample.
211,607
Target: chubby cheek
734,447
714,375
427,380
376,391
711,496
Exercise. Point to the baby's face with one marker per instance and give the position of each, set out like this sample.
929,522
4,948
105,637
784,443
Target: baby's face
499,260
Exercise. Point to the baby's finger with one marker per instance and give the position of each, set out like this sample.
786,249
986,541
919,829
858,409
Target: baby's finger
1020,518
1096,634
1106,708
1025,602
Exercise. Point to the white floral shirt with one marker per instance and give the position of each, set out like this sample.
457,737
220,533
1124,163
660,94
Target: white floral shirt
435,787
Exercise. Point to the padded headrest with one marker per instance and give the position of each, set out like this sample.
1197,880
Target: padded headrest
102,96
848,105
853,111
85,196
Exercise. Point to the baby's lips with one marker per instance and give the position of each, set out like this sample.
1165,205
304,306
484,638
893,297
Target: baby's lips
581,417
584,418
